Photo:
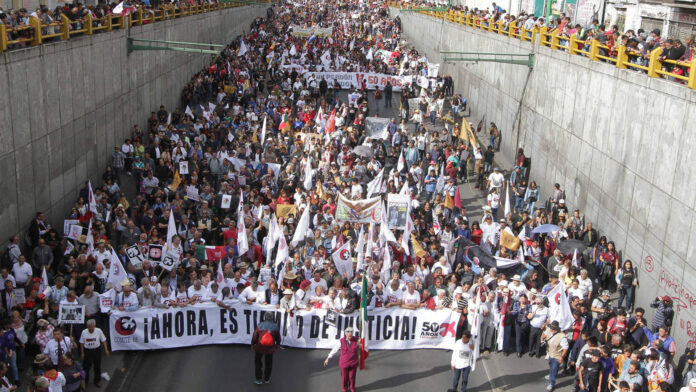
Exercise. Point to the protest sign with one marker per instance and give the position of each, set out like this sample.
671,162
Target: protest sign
183,167
361,211
154,253
71,314
74,232
226,201
351,80
135,255
376,127
169,261
192,193
17,297
316,31
397,210
208,323
285,210
66,225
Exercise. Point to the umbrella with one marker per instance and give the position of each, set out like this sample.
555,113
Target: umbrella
363,151
547,228
569,246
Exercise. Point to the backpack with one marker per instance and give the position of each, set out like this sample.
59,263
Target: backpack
266,339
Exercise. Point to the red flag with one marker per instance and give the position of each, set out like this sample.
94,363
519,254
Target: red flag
331,123
457,199
215,252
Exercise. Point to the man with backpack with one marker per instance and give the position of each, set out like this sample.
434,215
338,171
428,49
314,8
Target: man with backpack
264,343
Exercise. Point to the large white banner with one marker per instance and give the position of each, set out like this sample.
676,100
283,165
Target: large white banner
298,31
195,325
351,80
361,211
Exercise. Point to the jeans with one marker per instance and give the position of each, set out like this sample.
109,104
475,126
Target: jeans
464,375
428,195
519,202
432,117
494,213
626,291
13,366
387,101
492,141
268,366
553,371
486,167
455,110
521,330
530,207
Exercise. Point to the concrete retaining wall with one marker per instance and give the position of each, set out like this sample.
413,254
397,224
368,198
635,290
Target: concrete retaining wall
621,144
65,105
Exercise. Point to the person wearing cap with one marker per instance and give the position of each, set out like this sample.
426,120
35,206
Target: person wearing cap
348,359
127,300
264,342
601,308
664,312
556,347
462,360
496,180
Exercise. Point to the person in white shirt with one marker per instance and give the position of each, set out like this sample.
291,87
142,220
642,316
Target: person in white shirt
197,292
317,281
537,321
166,298
488,238
91,341
22,272
5,385
252,294
585,283
517,287
379,299
394,294
411,298
462,355
443,265
493,201
59,345
213,293
127,300
495,180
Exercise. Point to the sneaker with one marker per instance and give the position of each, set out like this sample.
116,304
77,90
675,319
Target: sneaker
549,388
267,381
546,377
258,382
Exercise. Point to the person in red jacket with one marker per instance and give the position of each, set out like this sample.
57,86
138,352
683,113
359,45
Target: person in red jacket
348,360
264,343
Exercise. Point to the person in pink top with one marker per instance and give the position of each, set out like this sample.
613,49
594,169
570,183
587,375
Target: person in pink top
348,360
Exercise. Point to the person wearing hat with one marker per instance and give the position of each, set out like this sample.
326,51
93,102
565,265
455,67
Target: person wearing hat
601,308
348,359
556,347
664,312
127,300
264,343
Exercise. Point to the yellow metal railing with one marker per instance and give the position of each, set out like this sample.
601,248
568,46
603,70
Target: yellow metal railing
622,57
36,32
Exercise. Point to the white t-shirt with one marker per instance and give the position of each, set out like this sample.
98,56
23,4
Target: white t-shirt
494,200
409,298
496,179
540,316
394,295
313,285
92,340
259,296
197,295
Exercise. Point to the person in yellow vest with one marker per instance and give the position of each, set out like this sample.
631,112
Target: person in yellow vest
556,348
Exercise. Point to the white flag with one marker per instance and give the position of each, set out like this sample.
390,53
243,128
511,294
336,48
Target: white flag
440,184
171,232
242,49
384,231
361,249
326,59
68,248
436,223
44,287
282,253
369,55
386,265
476,327
293,50
402,162
352,44
308,175
576,261
370,240
189,112
507,209
375,186
242,242
92,200
211,107
407,234
271,239
404,189
343,260
559,309
116,271
302,227
220,279
263,131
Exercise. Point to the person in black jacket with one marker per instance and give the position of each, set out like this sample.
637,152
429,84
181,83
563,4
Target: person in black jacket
264,343
352,300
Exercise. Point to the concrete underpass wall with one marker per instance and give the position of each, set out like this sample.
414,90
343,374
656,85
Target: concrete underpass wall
621,144
65,105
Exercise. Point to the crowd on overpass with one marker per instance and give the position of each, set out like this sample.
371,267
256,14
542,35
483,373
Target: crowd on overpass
638,43
256,189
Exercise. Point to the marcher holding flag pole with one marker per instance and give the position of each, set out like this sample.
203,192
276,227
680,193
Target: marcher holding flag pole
364,351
